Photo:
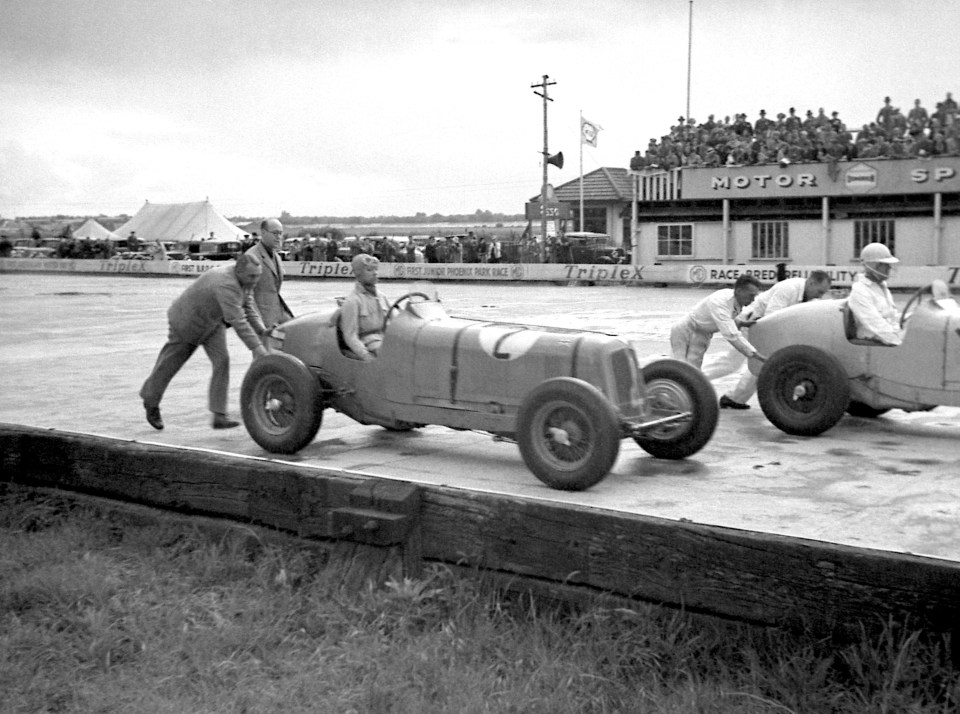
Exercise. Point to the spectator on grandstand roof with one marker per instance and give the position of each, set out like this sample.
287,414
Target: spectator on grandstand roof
762,124
816,138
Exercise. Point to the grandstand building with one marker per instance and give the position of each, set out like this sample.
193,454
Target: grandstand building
802,214
805,213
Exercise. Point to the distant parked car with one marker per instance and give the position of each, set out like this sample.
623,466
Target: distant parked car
566,397
211,249
586,247
23,251
817,369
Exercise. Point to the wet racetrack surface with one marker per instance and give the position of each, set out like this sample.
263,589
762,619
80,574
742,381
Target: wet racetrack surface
74,350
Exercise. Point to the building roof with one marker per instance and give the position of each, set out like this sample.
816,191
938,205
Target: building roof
604,184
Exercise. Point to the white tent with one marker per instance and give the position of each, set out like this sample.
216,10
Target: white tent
92,230
180,222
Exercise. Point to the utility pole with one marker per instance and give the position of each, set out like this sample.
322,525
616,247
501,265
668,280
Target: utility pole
543,84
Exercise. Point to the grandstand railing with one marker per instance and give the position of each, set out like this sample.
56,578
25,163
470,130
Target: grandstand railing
660,185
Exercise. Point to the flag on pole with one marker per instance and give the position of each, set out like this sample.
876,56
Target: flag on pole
589,131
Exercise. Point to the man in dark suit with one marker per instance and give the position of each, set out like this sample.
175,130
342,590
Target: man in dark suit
220,298
266,292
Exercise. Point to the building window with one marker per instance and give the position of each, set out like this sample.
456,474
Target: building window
675,239
873,231
771,240
594,219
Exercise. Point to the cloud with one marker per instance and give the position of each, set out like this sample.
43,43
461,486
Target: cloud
412,105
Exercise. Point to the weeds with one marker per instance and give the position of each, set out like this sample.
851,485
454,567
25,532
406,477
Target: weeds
98,613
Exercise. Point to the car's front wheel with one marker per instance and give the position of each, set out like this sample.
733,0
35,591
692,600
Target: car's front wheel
803,390
280,402
568,433
673,387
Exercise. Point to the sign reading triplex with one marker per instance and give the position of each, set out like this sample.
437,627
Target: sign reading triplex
879,176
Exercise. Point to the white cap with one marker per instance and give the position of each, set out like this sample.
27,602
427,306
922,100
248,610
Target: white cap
877,253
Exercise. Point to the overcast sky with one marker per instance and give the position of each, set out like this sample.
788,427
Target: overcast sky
378,107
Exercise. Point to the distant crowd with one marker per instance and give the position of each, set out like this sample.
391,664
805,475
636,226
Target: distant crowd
790,138
468,248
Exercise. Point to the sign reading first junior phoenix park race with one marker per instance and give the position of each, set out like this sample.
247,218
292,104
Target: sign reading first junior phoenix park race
691,273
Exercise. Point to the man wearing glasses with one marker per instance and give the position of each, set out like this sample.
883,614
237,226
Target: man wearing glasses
266,292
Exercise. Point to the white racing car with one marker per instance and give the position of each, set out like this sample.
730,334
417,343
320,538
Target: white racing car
816,368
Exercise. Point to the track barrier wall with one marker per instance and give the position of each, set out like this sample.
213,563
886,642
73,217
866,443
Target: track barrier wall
686,273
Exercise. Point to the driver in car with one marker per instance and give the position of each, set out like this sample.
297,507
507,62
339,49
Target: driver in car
870,300
363,310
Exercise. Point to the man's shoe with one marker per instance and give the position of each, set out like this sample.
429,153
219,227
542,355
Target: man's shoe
222,421
153,417
727,403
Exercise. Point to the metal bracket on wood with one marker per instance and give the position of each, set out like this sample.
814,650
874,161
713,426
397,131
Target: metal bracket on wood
379,513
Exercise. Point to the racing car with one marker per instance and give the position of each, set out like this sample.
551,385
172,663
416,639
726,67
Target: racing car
566,397
817,369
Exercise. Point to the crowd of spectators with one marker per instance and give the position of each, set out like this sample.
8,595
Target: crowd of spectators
84,249
790,138
468,248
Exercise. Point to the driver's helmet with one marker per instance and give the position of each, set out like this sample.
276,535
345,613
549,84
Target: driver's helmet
877,253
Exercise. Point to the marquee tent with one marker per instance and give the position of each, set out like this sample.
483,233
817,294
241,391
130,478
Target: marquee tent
92,230
180,222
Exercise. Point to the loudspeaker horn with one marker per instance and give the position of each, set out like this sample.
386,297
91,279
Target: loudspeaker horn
556,159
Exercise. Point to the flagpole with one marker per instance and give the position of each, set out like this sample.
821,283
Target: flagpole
689,56
581,170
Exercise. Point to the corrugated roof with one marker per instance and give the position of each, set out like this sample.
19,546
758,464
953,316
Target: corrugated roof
604,184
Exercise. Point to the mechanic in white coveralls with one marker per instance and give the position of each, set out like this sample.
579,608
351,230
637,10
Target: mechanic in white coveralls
785,293
718,312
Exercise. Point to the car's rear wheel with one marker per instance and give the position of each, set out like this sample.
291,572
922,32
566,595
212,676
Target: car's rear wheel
803,390
280,403
859,409
568,433
673,387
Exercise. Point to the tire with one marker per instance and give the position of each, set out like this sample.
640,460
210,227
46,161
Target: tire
803,390
859,409
280,402
673,386
568,433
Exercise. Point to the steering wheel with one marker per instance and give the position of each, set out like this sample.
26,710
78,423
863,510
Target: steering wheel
912,304
397,303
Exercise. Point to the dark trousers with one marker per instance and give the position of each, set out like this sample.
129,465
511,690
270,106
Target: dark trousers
176,353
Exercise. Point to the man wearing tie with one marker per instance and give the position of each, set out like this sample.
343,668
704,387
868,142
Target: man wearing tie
270,303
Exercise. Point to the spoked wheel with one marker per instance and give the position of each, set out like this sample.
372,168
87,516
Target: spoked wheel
568,434
280,402
675,387
803,390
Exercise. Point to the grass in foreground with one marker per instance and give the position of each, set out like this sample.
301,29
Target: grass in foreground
100,612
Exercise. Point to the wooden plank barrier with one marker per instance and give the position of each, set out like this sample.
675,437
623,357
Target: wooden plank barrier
754,577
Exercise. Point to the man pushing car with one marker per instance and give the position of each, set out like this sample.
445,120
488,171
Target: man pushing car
220,298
